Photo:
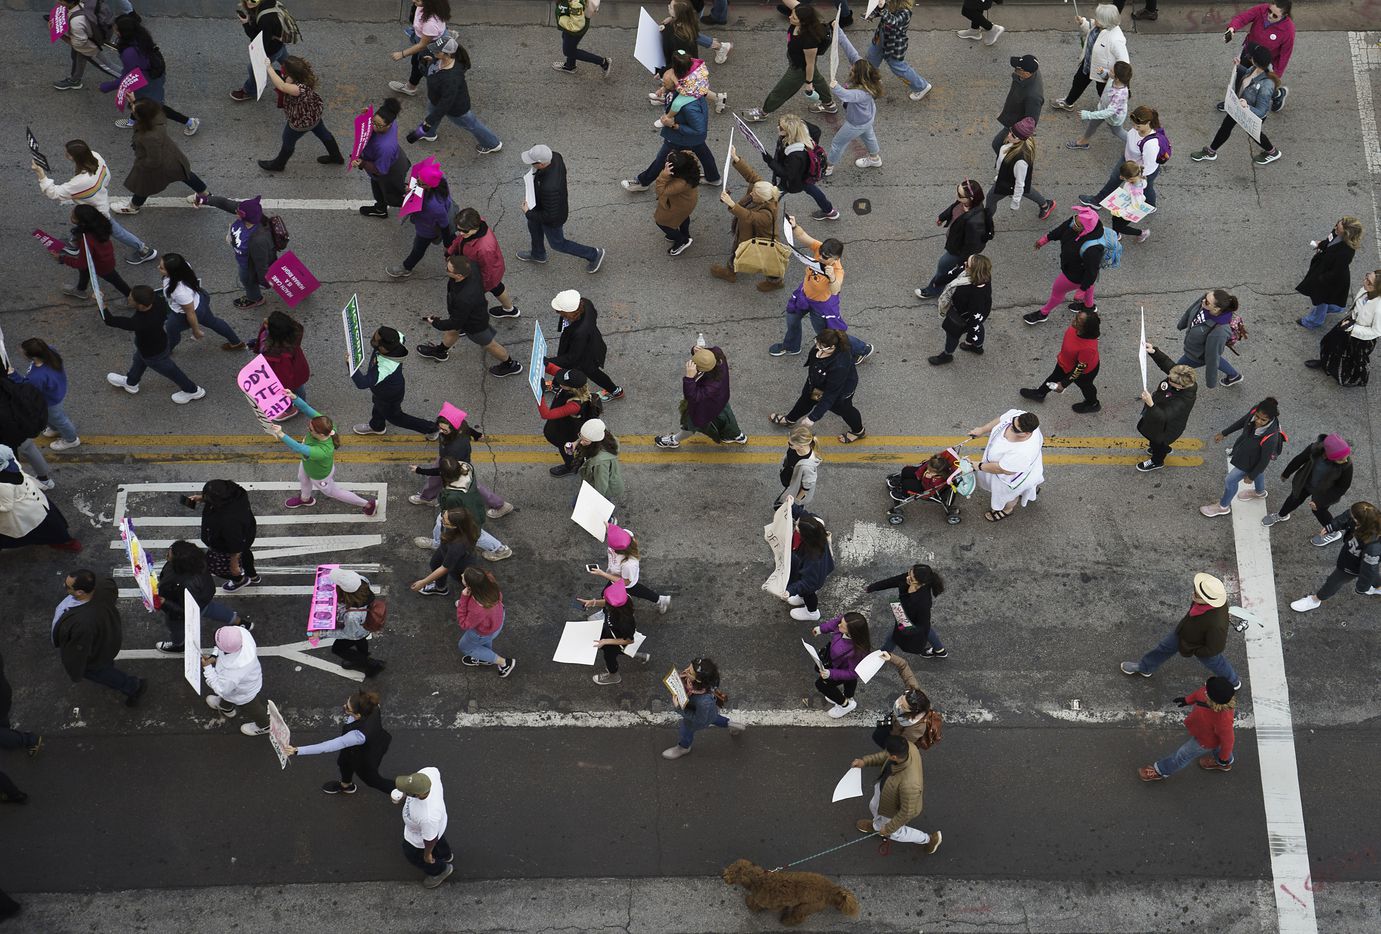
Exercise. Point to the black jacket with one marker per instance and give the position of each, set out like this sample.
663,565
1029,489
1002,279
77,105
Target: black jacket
229,528
1362,560
967,235
835,376
88,635
448,94
271,26
1164,422
1328,281
789,170
1024,99
1255,447
466,307
970,306
173,588
150,337
1081,268
581,346
915,606
552,206
391,388
1332,481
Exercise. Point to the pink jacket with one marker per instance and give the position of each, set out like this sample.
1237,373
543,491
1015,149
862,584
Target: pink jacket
1276,38
470,614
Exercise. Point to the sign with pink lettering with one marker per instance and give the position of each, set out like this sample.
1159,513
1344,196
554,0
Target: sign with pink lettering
264,388
364,129
323,613
291,280
58,25
412,201
128,85
50,243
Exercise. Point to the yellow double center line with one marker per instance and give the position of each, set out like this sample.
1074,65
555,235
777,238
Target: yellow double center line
534,449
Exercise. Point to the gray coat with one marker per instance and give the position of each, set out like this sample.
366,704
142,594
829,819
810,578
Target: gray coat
1203,343
1025,98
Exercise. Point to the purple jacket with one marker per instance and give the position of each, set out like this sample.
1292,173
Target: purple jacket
382,149
434,217
131,58
844,654
707,397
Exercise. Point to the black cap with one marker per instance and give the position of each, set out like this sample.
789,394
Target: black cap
1026,62
391,343
1220,690
573,378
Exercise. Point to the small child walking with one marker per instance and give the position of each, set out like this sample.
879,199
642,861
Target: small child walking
1134,184
1112,108
860,109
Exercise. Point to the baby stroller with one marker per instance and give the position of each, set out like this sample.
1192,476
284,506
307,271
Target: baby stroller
944,479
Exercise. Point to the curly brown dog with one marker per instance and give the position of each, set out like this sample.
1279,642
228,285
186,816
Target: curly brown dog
797,894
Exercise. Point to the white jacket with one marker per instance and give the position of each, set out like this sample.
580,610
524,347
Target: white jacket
23,507
82,188
237,676
1366,317
803,479
1109,48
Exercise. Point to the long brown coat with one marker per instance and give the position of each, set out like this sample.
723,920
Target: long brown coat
157,160
751,219
675,201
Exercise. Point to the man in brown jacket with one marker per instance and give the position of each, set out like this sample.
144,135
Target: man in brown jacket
1202,633
87,635
898,795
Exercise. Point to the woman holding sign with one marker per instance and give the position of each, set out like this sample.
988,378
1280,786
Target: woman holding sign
704,699
382,159
916,590
138,52
91,234
317,470
849,644
1255,91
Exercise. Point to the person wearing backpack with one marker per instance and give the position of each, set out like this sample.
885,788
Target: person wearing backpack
704,700
84,36
1258,444
965,304
808,37
1207,324
968,231
264,18
798,163
355,600
1328,281
573,20
1148,145
1272,29
1255,91
1082,249
251,237
138,50
304,110
1015,170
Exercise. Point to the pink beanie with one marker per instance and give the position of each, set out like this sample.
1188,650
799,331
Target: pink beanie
1335,448
616,594
428,172
1088,217
617,538
229,638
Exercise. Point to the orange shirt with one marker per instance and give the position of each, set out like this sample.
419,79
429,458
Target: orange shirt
816,286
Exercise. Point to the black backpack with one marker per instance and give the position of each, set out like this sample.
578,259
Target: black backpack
158,66
23,411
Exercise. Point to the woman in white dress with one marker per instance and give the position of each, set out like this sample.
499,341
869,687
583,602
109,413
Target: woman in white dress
1013,466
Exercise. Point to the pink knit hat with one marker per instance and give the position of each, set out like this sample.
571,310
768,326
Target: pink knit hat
1088,217
229,638
428,172
1335,448
616,594
617,538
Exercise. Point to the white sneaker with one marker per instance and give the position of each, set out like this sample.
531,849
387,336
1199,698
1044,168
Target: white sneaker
50,433
402,88
498,554
994,34
115,379
795,601
663,603
46,484
837,711
1373,592
499,513
829,170
213,701
736,727
61,445
632,184
182,398
721,54
1305,604
252,729
193,124
970,34
417,500
805,615
869,162
920,95
675,752
423,541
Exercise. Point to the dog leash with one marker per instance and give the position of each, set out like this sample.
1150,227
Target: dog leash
885,843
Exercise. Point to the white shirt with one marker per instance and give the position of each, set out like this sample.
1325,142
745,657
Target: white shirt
182,296
425,818
1145,156
625,567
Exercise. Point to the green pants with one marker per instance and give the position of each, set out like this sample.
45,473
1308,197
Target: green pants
724,427
791,83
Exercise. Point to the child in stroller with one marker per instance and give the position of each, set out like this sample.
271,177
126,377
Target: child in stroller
944,479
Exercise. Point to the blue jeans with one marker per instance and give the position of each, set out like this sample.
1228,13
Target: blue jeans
482,134
659,161
59,422
1170,645
719,10
704,41
478,647
113,678
933,640
822,202
898,66
162,364
687,732
124,236
1186,754
848,132
254,289
1235,478
556,236
249,86
943,267
1224,367
177,323
792,340
291,136
1319,314
570,47
485,542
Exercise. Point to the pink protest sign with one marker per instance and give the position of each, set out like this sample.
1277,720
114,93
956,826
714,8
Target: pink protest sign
50,243
264,388
412,201
291,280
452,414
57,23
128,85
364,129
323,613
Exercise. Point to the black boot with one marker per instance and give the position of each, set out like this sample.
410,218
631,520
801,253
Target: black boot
277,164
333,156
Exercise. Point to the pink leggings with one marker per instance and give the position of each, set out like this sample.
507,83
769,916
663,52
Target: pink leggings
1063,287
328,487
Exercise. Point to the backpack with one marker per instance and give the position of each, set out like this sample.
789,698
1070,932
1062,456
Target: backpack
934,729
1111,242
279,231
1165,148
101,19
376,616
291,31
27,413
816,159
1237,331
158,66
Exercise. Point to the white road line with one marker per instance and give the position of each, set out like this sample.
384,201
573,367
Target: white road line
281,546
293,651
276,204
1275,737
259,590
277,571
1364,58
380,491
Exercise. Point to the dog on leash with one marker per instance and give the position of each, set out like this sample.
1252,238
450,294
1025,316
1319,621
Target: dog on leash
797,895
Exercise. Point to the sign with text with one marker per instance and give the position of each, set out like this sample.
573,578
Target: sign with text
354,333
1239,112
279,736
264,388
58,25
323,612
536,365
777,534
364,129
39,158
191,642
258,64
291,280
4,354
96,292
50,243
139,564
647,47
130,83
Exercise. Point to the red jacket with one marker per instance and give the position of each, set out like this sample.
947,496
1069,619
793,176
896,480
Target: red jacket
290,366
471,614
1075,350
102,255
483,250
1210,728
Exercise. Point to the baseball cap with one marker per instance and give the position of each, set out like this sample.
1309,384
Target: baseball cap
567,301
536,154
415,784
1026,62
447,42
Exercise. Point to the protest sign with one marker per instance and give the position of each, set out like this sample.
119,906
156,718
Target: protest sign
191,642
647,48
124,91
96,292
536,365
58,25
4,354
850,786
577,645
869,666
322,615
834,44
530,188
728,162
777,534
677,688
258,64
1122,203
747,131
592,511
1241,114
279,736
354,333
291,280
39,158
139,564
264,388
814,657
50,243
364,129
1141,350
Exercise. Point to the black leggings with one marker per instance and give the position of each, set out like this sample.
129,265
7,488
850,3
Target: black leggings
973,11
611,655
1225,130
1084,382
113,277
843,407
1293,501
838,691
1123,227
176,116
643,592
368,774
1080,84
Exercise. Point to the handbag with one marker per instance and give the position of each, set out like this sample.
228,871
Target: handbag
218,563
762,254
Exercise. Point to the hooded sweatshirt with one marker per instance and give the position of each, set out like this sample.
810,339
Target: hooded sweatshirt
237,676
1206,337
1079,265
